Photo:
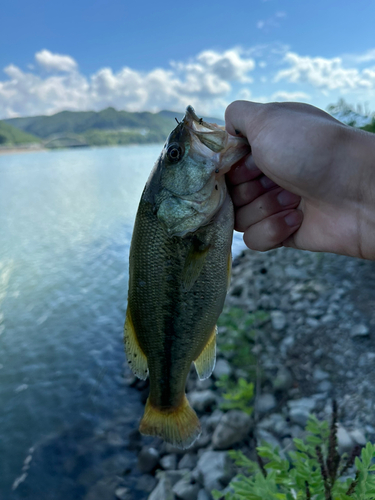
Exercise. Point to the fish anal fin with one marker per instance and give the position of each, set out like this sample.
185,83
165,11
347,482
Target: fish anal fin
194,264
178,426
136,358
205,363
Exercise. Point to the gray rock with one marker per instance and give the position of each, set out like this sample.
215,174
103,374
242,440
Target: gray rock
265,403
222,368
203,385
360,330
283,380
163,490
214,470
146,483
202,400
278,320
344,440
262,435
320,374
169,462
203,495
313,322
122,493
185,490
214,419
328,318
300,409
148,459
232,428
188,461
275,423
358,437
324,386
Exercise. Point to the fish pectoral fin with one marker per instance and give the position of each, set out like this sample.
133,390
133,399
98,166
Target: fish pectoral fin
205,362
193,264
136,357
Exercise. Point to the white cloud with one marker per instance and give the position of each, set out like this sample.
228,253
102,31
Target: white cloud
328,74
282,95
205,81
271,22
55,62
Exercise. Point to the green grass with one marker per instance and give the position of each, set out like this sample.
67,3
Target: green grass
12,136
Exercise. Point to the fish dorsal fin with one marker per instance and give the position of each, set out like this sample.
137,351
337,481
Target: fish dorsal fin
136,357
194,263
205,362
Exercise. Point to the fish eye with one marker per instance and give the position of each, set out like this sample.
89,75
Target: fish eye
174,153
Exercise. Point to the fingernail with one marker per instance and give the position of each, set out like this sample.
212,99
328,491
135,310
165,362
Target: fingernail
294,218
286,198
266,182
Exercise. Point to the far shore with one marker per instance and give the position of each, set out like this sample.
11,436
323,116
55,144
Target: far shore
20,149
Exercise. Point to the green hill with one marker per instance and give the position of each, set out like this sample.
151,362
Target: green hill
105,127
11,135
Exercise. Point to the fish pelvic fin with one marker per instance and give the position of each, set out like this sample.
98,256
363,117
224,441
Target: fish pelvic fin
178,426
205,362
137,360
194,264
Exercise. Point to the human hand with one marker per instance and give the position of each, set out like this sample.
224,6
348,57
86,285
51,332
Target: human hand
309,182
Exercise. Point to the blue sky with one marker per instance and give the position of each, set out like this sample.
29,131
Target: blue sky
149,56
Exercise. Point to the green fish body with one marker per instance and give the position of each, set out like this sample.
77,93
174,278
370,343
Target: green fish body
179,271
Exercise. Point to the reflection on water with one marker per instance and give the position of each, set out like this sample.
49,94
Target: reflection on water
65,223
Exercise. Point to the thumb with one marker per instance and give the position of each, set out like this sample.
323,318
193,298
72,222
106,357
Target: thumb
241,118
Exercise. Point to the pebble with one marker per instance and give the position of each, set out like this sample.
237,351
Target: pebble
163,490
202,400
283,380
148,459
344,440
265,403
203,495
188,461
360,330
275,423
358,437
300,409
222,368
320,374
184,490
169,462
232,428
214,469
262,435
122,493
278,320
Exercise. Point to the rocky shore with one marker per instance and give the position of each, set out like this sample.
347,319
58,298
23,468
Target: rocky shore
301,327
315,342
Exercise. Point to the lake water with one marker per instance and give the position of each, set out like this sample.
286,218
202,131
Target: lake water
66,220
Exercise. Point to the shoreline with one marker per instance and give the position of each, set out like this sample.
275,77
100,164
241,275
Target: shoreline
14,150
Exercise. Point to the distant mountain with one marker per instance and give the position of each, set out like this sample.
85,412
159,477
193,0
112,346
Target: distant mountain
10,136
102,128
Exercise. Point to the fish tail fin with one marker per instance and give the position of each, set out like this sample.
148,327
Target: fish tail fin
178,426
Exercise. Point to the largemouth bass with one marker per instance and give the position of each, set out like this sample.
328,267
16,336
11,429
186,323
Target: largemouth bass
180,260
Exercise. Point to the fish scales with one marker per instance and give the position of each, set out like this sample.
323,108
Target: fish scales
181,321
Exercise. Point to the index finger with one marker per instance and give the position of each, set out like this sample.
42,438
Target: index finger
241,117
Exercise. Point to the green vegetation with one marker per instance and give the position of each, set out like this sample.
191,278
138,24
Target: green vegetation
370,127
314,471
237,396
10,135
237,333
236,339
103,128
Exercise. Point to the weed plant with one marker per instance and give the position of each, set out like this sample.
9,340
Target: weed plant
314,471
